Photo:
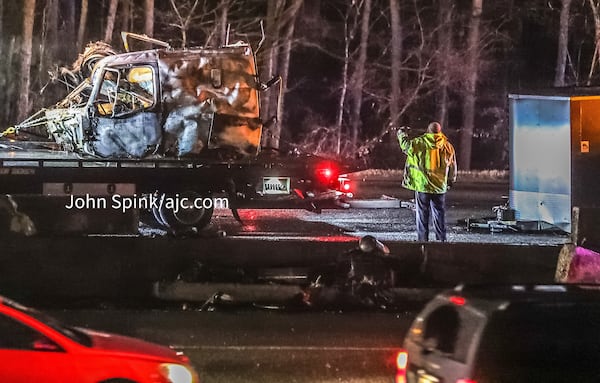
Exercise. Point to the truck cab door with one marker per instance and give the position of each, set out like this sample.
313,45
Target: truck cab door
125,119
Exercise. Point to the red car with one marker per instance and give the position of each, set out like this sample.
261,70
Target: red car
37,348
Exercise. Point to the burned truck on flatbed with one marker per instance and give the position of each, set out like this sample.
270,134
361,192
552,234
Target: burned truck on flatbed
158,124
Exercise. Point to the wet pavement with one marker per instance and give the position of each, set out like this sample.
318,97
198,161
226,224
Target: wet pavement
468,200
385,224
127,267
269,345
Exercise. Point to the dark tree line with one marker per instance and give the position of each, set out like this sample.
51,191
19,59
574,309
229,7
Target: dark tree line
350,68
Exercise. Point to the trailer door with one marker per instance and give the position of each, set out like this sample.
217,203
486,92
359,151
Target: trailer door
585,120
540,159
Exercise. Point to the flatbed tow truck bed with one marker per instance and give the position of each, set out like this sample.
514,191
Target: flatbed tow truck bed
41,182
36,172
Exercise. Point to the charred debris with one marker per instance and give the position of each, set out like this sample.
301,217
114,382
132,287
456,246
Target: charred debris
361,278
154,103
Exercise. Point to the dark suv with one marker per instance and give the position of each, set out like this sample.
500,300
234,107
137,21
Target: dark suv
542,333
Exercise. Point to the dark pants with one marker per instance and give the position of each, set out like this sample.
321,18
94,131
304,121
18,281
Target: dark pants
436,202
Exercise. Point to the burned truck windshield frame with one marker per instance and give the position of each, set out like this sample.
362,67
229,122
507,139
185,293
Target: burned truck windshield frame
125,90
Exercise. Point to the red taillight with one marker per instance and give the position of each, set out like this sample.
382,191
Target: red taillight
466,381
345,185
401,365
459,301
326,173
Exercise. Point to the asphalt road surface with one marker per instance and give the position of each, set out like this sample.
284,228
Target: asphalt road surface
263,345
266,346
469,200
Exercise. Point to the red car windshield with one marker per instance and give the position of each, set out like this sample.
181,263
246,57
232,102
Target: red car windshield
72,333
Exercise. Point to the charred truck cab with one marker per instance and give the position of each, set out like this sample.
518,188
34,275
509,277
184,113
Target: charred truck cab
159,125
175,103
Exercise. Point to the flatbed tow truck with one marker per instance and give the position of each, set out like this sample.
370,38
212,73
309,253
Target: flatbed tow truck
170,132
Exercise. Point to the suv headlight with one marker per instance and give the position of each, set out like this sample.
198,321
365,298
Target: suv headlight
177,373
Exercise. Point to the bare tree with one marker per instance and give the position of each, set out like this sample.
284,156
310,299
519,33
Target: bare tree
396,63
350,26
223,23
3,82
67,31
444,34
285,64
358,77
9,86
49,40
281,16
1,22
420,79
149,18
126,15
110,20
471,70
269,61
26,46
415,65
594,5
210,21
183,20
563,41
82,25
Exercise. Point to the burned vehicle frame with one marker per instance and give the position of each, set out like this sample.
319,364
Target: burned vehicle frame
162,122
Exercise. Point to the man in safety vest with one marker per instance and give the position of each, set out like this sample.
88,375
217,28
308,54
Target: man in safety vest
430,170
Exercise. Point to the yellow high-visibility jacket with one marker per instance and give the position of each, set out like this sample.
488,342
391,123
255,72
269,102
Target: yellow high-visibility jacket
430,162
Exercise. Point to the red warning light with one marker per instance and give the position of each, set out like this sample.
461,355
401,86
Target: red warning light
326,172
459,301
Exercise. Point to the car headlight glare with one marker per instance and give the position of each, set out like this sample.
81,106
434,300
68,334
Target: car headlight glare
176,373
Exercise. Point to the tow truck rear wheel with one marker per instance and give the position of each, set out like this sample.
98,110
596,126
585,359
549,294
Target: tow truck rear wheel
183,212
